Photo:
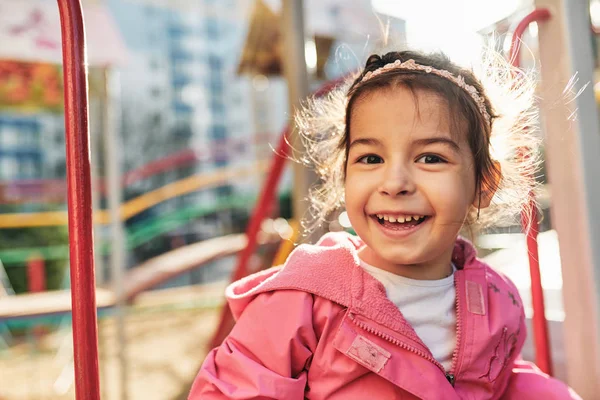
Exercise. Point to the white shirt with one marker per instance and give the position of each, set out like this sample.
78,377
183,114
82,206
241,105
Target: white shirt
429,306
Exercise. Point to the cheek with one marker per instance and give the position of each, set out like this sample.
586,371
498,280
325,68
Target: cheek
355,193
451,195
350,192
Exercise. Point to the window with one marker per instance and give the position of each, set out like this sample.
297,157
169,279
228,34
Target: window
180,69
181,108
216,84
27,168
214,63
217,109
9,138
155,92
179,54
218,132
28,138
9,168
182,131
212,28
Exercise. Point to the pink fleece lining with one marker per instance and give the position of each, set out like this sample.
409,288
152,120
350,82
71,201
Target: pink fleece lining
324,269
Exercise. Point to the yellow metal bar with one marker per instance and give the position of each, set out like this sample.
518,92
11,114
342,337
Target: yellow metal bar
141,203
287,245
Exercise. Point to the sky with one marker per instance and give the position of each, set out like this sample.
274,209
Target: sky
452,27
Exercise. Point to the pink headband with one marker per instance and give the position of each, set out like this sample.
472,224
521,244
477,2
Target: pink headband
411,65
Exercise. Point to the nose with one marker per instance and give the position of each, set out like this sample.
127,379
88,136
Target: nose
397,181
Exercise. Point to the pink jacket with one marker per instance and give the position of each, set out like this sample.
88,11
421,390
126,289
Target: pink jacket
320,327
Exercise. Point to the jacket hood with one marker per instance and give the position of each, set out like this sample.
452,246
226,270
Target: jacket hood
323,269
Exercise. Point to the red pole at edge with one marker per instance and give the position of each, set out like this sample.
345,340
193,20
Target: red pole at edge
81,242
529,220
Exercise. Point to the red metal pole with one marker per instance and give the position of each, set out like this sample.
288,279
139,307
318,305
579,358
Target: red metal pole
529,220
261,209
83,288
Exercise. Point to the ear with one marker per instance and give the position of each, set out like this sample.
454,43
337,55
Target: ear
485,194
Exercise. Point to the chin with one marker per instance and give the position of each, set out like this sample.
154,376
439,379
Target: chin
402,259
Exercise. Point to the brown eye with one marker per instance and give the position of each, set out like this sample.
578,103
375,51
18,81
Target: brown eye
370,159
431,159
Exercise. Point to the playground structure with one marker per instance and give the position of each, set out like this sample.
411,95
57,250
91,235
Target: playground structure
139,279
580,356
141,203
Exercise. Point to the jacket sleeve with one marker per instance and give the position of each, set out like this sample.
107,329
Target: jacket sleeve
266,354
528,382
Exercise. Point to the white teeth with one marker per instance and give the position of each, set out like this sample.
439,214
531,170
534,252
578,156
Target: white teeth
400,219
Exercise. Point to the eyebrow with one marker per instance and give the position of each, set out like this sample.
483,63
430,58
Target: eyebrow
443,140
421,142
366,142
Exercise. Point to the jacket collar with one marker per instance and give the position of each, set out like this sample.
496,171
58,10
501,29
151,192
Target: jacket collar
323,270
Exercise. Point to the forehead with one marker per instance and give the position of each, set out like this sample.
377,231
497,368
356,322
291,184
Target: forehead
402,110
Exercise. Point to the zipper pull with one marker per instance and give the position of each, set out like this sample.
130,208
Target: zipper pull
450,378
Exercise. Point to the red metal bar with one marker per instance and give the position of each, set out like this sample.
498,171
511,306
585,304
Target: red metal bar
36,274
83,288
529,221
260,212
36,283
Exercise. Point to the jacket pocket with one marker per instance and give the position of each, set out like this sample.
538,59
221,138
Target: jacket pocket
501,356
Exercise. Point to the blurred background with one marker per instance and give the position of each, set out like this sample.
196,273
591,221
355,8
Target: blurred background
188,100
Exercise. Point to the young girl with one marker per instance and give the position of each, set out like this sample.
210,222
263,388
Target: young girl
404,310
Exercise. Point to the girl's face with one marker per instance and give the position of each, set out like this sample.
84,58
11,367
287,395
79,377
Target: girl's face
409,183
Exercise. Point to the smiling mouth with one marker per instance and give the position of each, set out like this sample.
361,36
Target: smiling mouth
399,223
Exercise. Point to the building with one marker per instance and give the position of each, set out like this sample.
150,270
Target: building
21,154
180,90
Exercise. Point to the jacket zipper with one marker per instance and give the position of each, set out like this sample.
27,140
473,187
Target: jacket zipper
450,376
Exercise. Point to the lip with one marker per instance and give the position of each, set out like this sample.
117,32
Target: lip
400,233
390,212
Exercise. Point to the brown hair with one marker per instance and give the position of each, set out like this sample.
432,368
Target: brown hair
324,124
